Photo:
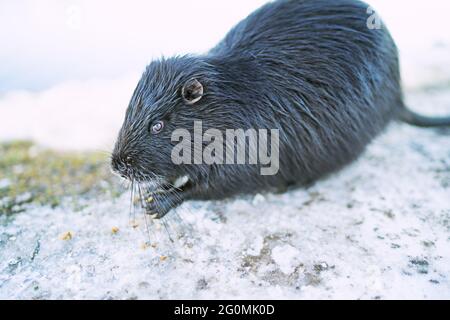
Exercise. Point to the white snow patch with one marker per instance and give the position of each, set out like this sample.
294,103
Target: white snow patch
256,246
74,115
286,257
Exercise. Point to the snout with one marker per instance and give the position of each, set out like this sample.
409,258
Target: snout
122,164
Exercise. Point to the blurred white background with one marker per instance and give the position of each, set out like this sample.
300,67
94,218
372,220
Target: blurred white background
68,67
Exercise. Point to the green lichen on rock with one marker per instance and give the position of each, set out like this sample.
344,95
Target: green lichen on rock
33,175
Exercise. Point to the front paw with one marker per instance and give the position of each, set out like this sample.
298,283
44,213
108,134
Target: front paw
157,205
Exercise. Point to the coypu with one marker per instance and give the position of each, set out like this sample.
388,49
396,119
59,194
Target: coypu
311,69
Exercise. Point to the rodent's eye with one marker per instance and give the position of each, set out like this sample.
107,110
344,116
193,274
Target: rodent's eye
157,127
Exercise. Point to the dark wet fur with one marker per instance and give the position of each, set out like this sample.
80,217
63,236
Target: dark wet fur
311,68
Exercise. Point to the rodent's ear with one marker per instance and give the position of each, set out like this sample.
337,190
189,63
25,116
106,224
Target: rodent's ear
192,91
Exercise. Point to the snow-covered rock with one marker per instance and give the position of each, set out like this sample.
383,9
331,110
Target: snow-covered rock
378,229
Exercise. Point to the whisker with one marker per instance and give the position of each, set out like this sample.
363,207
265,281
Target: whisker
174,225
131,213
167,230
145,215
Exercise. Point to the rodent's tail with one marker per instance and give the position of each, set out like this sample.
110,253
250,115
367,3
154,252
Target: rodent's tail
418,120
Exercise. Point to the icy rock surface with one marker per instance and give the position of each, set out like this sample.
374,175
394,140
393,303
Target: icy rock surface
378,229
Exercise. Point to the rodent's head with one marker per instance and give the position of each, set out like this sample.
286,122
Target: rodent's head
170,95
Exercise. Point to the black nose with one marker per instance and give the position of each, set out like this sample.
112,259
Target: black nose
122,164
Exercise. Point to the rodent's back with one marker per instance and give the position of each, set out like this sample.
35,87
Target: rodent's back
302,26
318,62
